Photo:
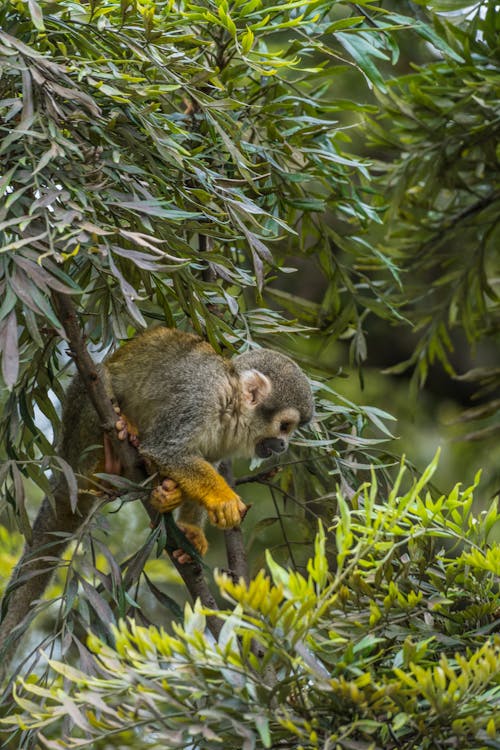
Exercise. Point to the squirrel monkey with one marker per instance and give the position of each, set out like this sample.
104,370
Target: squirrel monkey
188,408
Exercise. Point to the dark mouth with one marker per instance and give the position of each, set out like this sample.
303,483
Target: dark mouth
268,446
263,451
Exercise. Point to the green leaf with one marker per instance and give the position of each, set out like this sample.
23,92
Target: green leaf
156,208
247,40
10,350
362,52
70,478
36,15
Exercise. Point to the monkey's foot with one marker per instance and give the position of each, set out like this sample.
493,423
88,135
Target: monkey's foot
196,538
166,497
126,429
226,513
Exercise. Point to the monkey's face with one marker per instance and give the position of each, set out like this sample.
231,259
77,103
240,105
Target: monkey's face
275,400
276,433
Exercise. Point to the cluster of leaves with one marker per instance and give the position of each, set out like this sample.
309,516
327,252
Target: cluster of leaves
99,581
141,144
153,156
439,133
391,645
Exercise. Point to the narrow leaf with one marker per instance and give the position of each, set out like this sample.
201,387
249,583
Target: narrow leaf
71,481
10,350
36,15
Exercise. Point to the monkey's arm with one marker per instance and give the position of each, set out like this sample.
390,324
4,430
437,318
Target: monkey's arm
199,481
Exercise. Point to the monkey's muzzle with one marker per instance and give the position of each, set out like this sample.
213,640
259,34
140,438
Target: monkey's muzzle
268,446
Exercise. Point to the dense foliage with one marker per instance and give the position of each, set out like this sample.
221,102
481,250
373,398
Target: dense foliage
169,162
439,129
391,644
145,175
146,178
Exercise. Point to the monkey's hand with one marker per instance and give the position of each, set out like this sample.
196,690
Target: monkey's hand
111,464
200,482
166,497
226,509
126,429
196,538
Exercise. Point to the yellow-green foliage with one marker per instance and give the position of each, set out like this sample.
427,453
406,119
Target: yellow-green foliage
391,644
10,549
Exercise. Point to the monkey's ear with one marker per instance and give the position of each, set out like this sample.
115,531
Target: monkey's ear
255,386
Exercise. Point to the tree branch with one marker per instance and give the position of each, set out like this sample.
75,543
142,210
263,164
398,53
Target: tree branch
191,573
235,548
53,528
95,387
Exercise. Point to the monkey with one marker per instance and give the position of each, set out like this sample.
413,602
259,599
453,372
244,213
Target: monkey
186,408
191,408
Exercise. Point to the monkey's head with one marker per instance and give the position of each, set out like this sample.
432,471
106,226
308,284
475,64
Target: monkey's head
277,398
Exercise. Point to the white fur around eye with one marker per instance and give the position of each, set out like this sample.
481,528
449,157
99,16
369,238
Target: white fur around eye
255,386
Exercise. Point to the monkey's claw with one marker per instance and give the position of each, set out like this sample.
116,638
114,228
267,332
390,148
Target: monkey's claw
166,497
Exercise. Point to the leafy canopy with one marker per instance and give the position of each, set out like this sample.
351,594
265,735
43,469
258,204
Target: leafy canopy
154,159
439,132
391,646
